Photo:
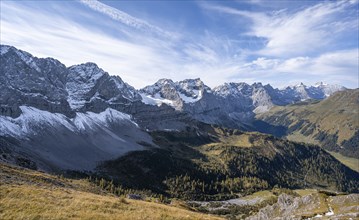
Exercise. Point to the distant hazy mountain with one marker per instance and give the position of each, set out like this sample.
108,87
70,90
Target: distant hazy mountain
96,117
231,104
332,123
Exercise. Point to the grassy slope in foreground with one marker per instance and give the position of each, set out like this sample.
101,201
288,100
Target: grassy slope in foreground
27,194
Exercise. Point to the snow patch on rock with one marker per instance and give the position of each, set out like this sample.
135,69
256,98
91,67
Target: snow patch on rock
156,100
197,96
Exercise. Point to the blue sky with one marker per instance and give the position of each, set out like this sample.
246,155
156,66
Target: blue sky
277,42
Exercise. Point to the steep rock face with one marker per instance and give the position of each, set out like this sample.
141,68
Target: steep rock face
161,117
312,206
48,85
25,79
192,90
262,101
89,85
81,83
175,94
164,91
300,91
60,118
193,97
238,96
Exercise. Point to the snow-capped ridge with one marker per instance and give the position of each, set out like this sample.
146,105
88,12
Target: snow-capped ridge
155,100
89,120
31,119
52,140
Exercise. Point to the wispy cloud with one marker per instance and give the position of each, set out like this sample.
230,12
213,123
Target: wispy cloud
139,62
74,33
337,67
299,33
55,36
126,18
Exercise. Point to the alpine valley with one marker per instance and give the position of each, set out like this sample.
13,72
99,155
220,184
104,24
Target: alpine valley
175,149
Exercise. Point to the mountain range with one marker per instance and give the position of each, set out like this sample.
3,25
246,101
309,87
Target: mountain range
46,84
103,117
181,139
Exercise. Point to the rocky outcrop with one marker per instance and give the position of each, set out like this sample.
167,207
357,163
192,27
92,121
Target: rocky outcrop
311,206
88,86
27,80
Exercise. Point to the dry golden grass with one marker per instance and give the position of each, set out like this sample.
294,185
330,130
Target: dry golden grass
263,195
335,115
237,140
31,202
345,204
32,199
298,137
317,205
304,192
350,162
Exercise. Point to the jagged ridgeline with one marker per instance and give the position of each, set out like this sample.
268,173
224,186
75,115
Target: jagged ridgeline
212,163
169,137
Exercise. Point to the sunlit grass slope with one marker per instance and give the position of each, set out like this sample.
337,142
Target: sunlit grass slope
27,194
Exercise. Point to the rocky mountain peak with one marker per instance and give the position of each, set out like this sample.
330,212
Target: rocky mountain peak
257,85
164,82
89,84
4,49
27,80
191,82
192,90
86,71
301,85
233,89
320,84
24,56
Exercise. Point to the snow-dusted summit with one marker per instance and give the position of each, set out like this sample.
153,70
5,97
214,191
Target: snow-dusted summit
175,94
87,83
